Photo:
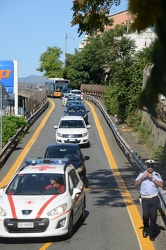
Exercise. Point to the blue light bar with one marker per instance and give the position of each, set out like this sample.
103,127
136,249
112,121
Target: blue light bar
36,161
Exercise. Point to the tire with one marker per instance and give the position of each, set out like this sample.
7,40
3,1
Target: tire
82,218
86,183
70,227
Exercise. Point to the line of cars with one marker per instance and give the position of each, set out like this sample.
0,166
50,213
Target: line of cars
72,133
31,206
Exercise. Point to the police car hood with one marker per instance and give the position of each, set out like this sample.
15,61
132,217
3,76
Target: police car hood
73,131
17,206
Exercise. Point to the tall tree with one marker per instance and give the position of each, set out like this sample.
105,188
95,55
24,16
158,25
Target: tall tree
50,63
152,13
92,15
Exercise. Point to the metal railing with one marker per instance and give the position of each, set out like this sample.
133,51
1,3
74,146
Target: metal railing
11,145
128,152
126,149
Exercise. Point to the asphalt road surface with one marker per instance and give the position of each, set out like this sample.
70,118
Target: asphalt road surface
113,213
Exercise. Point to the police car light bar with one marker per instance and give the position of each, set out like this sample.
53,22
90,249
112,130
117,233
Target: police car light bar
35,161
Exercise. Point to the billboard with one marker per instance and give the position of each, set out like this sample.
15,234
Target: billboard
7,75
9,79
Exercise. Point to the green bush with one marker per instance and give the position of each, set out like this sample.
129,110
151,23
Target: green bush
145,134
134,120
10,125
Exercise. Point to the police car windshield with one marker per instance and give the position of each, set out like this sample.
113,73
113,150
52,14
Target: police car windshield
34,184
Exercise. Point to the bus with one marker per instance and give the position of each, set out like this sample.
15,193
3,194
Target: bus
54,86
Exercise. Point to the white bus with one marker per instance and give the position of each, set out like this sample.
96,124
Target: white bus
54,86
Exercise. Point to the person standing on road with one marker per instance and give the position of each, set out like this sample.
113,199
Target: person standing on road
149,182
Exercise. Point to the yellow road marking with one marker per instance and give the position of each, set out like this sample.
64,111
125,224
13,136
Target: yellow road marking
19,160
131,207
45,246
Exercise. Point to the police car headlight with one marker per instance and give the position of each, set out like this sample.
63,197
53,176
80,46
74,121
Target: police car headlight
84,134
2,212
57,210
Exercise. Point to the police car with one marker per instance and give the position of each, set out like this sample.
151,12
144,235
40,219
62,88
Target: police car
29,208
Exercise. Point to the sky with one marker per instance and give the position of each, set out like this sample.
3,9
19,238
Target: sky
29,27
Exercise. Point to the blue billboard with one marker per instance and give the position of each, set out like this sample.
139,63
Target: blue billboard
7,75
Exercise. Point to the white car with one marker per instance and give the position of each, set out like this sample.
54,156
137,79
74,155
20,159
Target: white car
32,206
72,129
65,97
77,92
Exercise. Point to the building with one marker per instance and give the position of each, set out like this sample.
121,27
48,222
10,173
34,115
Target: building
142,39
123,17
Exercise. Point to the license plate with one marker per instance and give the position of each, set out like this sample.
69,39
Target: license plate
25,224
73,140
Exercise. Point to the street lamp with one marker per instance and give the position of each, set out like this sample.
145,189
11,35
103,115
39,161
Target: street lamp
66,37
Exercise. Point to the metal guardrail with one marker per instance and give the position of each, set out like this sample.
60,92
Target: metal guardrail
126,149
128,152
11,145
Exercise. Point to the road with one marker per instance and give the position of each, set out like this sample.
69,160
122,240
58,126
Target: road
113,213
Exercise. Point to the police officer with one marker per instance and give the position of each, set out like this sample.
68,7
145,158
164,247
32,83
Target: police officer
149,182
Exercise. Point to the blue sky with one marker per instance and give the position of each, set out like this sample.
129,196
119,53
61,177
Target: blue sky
29,27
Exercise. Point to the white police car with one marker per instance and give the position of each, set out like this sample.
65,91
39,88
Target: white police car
31,206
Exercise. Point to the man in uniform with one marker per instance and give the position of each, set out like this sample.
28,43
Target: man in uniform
149,182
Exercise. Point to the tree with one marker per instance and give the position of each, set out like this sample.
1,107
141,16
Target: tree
92,15
92,63
122,94
76,70
145,17
50,63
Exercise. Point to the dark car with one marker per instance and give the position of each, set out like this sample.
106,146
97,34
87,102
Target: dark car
71,151
65,90
72,102
78,110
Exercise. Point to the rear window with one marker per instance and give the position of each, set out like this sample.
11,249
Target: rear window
76,92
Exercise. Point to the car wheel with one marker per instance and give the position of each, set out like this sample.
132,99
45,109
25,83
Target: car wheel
70,227
83,211
86,183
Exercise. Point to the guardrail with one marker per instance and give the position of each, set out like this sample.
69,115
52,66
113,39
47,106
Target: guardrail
128,152
126,149
11,145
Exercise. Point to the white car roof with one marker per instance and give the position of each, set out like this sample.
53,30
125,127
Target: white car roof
44,166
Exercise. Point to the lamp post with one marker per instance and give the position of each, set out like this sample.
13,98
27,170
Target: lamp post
66,37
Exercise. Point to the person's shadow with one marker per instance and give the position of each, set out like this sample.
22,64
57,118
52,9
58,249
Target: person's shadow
158,230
